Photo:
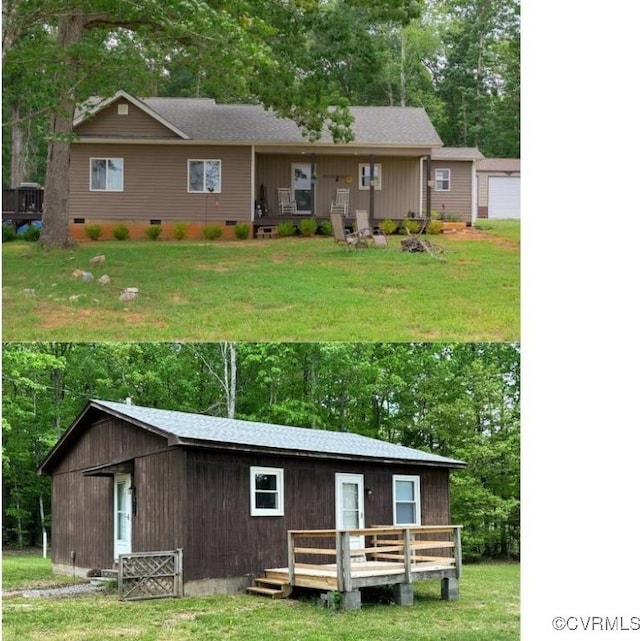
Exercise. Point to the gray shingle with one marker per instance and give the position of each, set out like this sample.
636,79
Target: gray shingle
217,430
204,119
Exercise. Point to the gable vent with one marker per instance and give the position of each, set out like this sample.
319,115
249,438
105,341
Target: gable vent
123,109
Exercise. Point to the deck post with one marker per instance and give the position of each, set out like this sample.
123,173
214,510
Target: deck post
343,561
407,555
291,557
457,550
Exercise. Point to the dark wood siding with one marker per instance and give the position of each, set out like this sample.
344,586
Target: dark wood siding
136,124
155,184
82,506
222,539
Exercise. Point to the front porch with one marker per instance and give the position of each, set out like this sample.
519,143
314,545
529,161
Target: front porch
348,560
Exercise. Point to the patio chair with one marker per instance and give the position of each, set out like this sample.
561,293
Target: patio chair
286,201
340,234
362,221
341,203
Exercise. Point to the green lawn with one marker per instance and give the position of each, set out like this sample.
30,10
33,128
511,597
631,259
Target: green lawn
21,571
282,289
488,610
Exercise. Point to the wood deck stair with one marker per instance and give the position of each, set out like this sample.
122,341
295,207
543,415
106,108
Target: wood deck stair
269,586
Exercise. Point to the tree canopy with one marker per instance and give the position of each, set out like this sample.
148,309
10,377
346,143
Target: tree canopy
457,400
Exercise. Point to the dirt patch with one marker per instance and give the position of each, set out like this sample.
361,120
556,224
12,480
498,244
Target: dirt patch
472,233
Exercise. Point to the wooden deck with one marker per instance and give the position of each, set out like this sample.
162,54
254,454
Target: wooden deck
390,556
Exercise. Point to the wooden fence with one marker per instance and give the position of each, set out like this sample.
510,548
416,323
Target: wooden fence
150,575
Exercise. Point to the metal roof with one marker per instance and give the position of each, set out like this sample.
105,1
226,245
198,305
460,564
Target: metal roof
188,428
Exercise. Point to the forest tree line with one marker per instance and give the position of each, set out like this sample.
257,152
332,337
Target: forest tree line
458,400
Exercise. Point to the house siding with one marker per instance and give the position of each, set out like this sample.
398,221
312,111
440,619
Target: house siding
155,186
400,182
107,123
82,506
223,540
458,201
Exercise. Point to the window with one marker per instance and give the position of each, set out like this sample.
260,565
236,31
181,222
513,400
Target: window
204,176
406,500
364,171
107,174
443,179
267,491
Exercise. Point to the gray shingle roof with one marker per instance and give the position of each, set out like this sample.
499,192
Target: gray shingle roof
199,427
204,119
457,153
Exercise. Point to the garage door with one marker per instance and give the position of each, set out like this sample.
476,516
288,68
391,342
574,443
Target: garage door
504,197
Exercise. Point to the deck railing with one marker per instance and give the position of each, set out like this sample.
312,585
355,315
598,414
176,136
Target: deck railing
392,549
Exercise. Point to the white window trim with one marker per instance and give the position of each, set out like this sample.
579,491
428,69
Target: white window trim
448,178
279,474
416,487
377,173
204,190
91,187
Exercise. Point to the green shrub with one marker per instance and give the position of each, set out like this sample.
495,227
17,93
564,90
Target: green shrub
153,232
180,231
388,226
241,231
31,234
212,232
434,227
121,232
325,228
308,226
8,233
286,228
411,225
435,214
94,232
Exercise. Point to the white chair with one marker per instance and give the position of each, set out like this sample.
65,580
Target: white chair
286,201
366,231
341,203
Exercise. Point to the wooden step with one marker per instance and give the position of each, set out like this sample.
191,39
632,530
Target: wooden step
275,588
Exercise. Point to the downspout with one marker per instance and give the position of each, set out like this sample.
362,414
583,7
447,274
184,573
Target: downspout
474,193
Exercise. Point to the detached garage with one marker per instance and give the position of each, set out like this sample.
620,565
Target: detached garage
498,188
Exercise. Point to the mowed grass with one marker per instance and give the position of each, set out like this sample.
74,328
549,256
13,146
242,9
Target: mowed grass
21,571
279,289
488,610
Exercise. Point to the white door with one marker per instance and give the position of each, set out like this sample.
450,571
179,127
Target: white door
504,197
122,514
301,186
350,505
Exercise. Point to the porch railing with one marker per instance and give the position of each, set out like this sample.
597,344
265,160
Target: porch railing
394,549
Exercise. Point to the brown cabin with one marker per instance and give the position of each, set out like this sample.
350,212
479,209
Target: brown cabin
135,479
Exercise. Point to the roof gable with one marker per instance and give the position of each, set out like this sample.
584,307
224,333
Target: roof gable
184,429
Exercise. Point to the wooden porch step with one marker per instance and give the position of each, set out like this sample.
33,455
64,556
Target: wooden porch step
273,587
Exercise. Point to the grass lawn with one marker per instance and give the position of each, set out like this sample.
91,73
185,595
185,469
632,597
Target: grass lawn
488,610
260,290
21,571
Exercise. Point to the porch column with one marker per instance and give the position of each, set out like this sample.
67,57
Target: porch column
372,188
428,212
313,185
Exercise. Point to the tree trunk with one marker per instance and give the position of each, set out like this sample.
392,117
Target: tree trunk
55,218
18,156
